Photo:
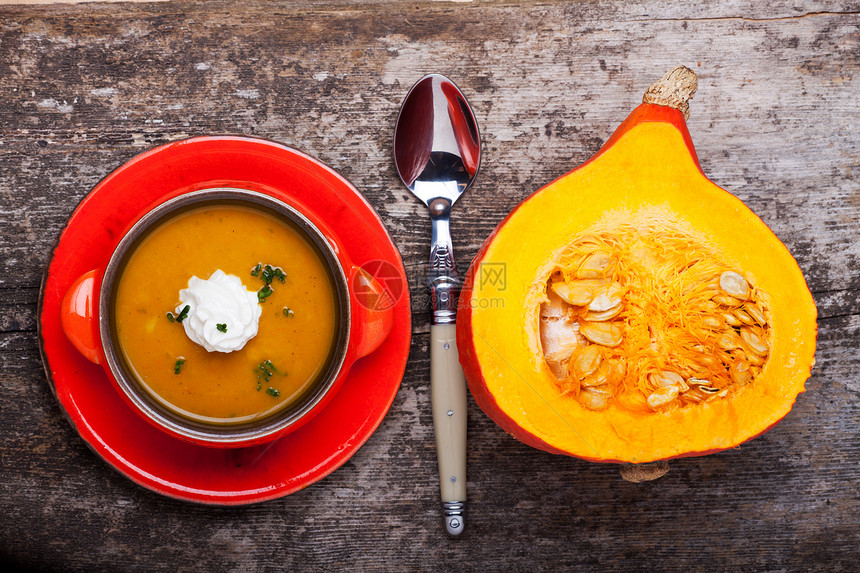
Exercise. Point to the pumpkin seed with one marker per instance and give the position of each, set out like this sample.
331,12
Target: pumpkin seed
740,373
605,372
726,300
603,390
735,285
699,394
699,382
603,316
728,340
606,298
577,292
597,265
586,361
756,359
697,370
743,317
756,313
709,361
731,319
754,341
618,369
591,400
666,378
602,333
662,396
599,377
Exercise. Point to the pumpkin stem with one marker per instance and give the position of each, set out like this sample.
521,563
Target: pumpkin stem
638,473
674,89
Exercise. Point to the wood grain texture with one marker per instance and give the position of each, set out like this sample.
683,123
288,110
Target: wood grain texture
776,121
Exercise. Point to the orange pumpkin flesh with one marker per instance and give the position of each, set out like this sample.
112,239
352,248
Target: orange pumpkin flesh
647,171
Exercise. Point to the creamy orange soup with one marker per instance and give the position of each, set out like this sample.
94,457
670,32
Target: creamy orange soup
296,330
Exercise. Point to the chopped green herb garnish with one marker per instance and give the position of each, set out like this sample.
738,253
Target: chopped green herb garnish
288,312
184,314
268,273
264,293
265,370
221,327
273,392
271,273
177,368
170,317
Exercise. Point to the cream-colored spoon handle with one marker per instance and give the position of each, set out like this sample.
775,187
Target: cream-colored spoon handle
448,390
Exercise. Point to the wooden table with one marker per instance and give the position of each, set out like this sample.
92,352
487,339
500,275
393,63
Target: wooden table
776,121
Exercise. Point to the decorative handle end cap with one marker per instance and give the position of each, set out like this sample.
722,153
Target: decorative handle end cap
455,521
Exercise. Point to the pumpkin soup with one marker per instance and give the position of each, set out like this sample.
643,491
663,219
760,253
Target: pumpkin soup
183,354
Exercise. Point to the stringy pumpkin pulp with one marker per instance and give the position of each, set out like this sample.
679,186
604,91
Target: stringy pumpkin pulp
651,318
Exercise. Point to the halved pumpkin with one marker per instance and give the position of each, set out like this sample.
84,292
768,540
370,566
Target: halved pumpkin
633,311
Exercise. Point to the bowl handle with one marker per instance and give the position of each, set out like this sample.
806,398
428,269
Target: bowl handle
375,311
78,317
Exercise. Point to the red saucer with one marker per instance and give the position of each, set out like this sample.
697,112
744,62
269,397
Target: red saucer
119,435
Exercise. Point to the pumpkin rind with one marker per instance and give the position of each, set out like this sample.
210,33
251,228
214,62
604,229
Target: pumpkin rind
648,164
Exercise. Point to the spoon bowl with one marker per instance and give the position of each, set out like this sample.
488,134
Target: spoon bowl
437,147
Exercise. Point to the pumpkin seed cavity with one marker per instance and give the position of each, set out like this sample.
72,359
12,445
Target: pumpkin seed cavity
651,319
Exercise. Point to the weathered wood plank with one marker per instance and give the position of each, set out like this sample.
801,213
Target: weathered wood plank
776,121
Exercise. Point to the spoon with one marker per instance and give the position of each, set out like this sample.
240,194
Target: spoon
437,150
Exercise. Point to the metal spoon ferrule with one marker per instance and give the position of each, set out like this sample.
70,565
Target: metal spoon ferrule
443,280
444,292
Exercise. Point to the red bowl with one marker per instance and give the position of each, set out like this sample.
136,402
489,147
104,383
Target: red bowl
86,315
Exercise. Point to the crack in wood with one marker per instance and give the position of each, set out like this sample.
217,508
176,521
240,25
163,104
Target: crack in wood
745,18
822,318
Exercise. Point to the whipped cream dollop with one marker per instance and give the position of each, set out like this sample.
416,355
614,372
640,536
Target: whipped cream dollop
223,315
